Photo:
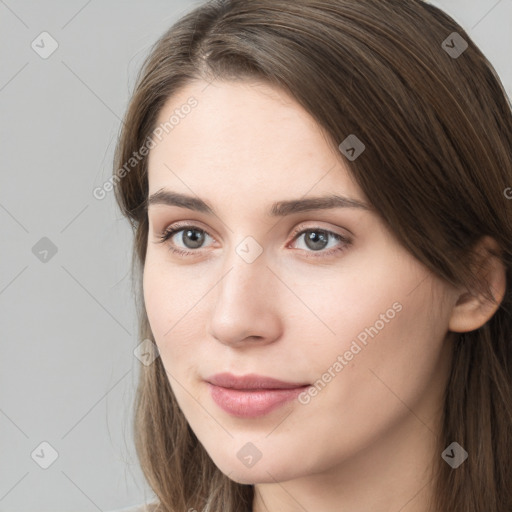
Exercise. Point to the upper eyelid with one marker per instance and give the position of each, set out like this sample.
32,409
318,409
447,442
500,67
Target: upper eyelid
154,215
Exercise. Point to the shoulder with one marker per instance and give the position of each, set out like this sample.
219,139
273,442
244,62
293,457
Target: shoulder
146,507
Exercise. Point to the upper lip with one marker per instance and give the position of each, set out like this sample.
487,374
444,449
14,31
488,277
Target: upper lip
251,381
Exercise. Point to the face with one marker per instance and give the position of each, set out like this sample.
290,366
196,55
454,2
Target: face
326,301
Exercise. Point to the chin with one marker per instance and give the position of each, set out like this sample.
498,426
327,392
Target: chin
264,471
249,477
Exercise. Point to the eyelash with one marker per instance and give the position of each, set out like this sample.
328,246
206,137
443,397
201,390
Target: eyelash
175,228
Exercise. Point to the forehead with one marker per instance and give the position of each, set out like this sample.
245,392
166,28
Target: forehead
247,138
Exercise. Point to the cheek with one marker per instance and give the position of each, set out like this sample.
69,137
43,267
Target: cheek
392,361
155,298
173,307
160,303
347,303
396,375
173,337
387,327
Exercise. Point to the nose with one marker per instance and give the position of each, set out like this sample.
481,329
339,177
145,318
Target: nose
246,306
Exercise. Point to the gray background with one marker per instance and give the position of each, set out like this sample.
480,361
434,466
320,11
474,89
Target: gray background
68,326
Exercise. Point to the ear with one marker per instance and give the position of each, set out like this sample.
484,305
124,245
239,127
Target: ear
472,309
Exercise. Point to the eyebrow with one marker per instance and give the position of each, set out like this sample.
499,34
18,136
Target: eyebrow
278,209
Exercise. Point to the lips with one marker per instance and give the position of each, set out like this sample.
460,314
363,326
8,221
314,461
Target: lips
251,395
251,381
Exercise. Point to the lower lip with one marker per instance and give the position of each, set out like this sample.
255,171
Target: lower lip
252,403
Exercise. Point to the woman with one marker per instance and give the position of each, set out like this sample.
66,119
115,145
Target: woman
323,248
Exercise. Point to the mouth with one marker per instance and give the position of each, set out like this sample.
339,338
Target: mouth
252,395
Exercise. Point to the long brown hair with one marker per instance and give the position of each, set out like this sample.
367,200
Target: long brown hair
437,128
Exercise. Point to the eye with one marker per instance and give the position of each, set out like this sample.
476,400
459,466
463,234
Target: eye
316,240
193,233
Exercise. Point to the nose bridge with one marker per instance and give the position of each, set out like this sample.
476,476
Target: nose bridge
243,306
246,269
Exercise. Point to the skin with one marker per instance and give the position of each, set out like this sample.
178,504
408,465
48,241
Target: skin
367,440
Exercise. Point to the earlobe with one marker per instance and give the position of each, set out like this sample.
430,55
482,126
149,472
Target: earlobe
473,309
